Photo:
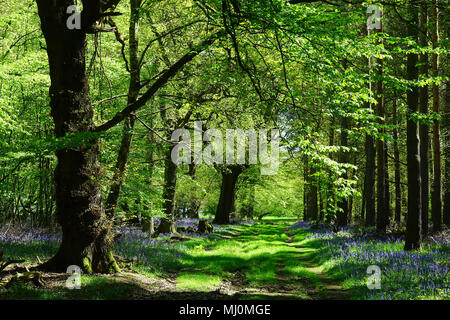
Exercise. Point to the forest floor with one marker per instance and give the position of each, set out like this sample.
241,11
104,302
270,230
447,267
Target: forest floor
249,261
272,259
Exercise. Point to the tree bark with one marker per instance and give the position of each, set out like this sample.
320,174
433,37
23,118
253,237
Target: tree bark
398,190
380,145
343,203
370,181
423,128
413,224
227,193
167,224
133,93
436,195
305,187
388,214
87,238
312,208
194,205
446,127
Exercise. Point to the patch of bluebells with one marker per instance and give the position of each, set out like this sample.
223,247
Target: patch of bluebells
28,242
404,274
158,254
154,254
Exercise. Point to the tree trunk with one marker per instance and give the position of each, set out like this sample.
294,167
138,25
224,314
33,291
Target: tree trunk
194,206
446,126
369,175
86,239
436,195
380,145
133,93
388,214
312,208
398,190
343,203
413,223
305,187
370,181
227,194
423,128
167,224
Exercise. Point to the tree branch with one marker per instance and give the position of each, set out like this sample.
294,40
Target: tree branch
160,82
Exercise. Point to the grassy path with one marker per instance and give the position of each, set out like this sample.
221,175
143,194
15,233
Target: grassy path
253,261
329,288
260,261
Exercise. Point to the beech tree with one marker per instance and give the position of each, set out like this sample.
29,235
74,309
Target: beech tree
87,236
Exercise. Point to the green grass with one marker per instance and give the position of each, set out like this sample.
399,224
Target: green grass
197,281
251,256
258,252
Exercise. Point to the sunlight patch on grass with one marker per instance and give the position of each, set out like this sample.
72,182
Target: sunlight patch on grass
197,281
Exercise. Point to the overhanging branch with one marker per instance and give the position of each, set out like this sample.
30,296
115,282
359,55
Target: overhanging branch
160,82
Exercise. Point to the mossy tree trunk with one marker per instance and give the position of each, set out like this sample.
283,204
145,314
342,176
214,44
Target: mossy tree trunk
86,239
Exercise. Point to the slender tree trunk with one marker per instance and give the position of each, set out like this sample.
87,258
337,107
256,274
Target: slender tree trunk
369,175
423,128
413,223
398,190
446,126
305,188
370,181
194,206
343,204
87,237
388,215
436,196
312,200
380,145
227,193
133,93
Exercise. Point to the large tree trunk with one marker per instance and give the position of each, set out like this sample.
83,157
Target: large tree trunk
414,223
227,193
86,239
436,195
133,93
423,128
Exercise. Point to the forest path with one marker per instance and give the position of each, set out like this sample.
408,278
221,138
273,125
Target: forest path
246,262
327,288
259,261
